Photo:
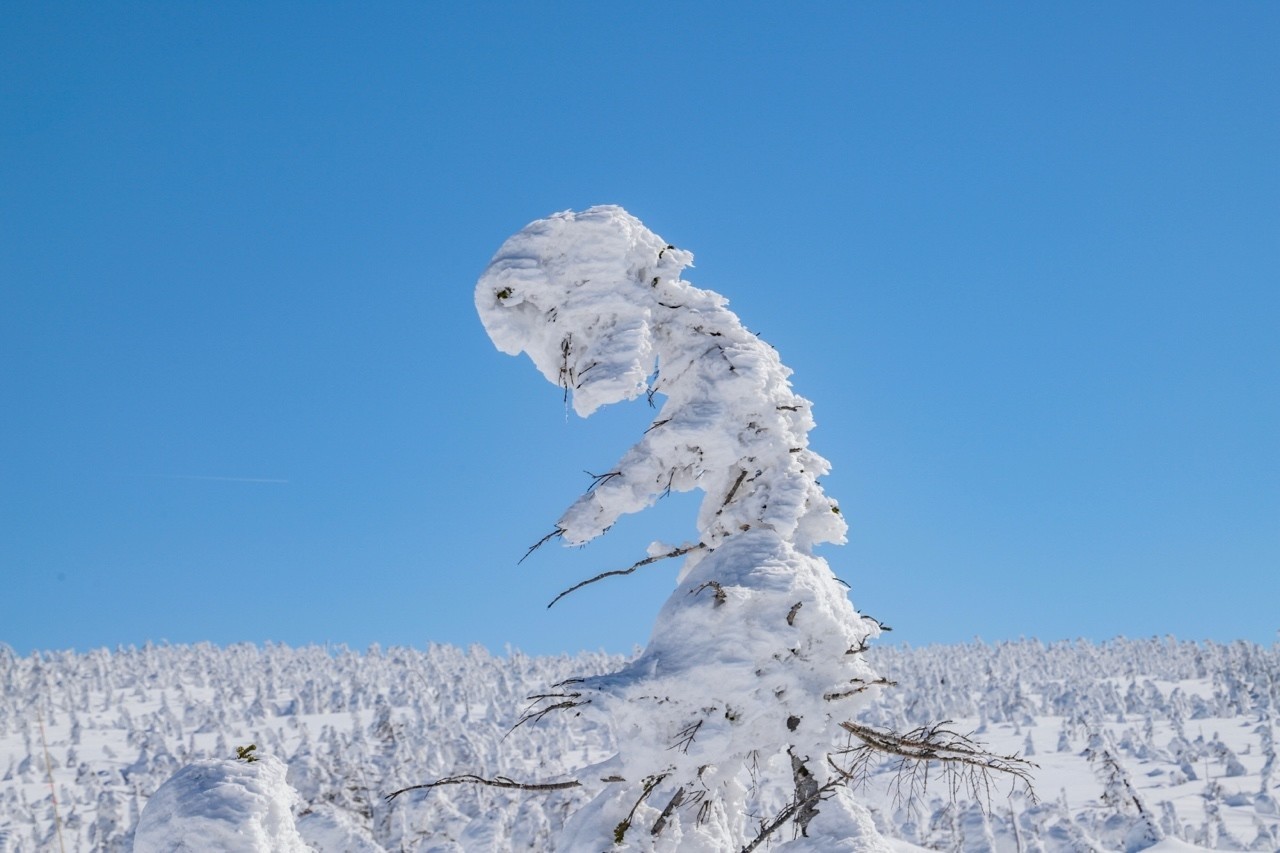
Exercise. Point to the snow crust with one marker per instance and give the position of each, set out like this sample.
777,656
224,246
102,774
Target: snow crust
222,806
756,656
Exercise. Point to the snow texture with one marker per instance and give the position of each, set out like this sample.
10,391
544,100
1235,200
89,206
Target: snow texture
757,655
222,806
356,726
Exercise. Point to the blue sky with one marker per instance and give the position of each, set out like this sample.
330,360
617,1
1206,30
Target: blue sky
1024,258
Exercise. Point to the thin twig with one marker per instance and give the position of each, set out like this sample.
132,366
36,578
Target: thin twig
601,479
862,687
677,552
559,531
568,700
684,737
496,782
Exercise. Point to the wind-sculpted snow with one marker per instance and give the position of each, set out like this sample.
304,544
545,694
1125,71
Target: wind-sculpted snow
756,658
1190,727
596,301
222,806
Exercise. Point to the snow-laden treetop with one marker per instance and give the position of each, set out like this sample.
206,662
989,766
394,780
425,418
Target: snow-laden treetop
596,301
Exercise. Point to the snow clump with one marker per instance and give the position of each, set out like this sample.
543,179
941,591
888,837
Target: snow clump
222,806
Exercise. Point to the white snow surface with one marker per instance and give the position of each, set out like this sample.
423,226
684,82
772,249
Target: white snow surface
1192,725
756,656
222,806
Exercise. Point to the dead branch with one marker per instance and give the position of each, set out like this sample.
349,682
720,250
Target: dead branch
566,699
861,686
600,479
742,475
862,646
720,595
496,782
620,831
808,801
965,764
676,552
684,737
676,799
559,531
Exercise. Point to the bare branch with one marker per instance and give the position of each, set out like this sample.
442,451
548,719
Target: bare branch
790,811
559,531
676,552
742,475
496,782
965,764
684,737
661,822
554,702
862,686
720,596
620,831
600,479
862,646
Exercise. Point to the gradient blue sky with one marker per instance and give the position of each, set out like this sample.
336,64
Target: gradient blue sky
1024,258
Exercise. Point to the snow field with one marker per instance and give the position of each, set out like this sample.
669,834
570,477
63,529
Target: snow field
354,726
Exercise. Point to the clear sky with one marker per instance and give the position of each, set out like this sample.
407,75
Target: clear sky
1024,258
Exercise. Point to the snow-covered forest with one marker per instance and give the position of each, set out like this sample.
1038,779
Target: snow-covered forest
1136,740
760,710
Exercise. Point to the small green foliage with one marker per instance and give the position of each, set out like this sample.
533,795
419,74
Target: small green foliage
245,753
505,293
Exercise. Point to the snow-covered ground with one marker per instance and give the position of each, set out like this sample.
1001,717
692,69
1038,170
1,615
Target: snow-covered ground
1149,744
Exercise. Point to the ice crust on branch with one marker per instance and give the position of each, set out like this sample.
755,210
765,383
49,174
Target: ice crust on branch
753,661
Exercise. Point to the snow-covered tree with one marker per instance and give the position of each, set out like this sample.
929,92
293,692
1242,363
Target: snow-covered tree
729,722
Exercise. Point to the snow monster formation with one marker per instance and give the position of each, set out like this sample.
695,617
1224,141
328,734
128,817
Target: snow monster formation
729,723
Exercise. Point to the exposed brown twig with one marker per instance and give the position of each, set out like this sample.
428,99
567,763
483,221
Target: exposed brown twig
496,782
559,531
964,762
677,552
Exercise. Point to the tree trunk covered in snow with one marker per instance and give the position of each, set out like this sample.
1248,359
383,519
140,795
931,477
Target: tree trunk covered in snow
726,721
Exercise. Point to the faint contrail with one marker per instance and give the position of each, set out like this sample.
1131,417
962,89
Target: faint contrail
218,479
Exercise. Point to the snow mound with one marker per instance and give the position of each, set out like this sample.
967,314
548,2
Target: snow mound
222,806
